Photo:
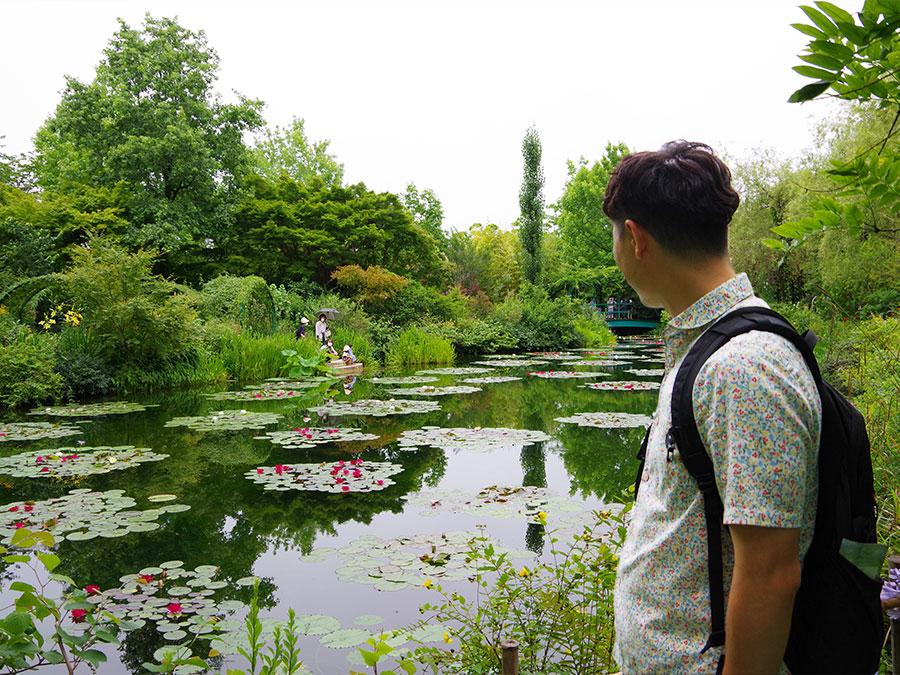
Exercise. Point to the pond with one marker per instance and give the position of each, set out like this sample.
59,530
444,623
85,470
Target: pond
348,545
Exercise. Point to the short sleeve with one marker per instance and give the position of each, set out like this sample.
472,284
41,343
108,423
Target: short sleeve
759,415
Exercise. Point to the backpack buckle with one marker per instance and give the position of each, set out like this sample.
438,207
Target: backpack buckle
671,443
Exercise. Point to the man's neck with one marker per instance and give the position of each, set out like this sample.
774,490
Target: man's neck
687,283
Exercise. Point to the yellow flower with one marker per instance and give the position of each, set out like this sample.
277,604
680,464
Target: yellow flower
524,572
447,638
427,583
2,309
542,515
568,651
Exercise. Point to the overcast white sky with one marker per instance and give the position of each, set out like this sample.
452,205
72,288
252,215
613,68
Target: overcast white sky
441,92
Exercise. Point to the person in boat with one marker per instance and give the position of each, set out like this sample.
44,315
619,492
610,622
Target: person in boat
348,356
322,329
300,333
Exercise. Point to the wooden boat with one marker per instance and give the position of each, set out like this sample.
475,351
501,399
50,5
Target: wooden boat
341,368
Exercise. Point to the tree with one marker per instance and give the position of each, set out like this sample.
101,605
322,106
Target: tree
150,118
427,212
289,152
854,62
531,206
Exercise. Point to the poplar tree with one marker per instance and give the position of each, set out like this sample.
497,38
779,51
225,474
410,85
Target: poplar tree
531,206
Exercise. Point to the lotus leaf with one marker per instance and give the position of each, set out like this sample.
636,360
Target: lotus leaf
411,379
357,475
453,371
408,561
565,374
496,379
34,431
79,515
434,391
93,409
375,407
309,437
607,420
470,439
622,386
647,372
226,420
76,461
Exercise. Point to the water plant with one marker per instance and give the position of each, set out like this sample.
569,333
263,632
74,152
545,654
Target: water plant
414,347
92,409
79,461
355,475
475,439
565,374
34,431
454,371
226,420
622,386
607,420
375,407
434,391
309,437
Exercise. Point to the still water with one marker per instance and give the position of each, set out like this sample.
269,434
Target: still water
290,540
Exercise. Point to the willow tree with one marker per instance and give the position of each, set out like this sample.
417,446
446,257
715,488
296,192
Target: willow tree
531,206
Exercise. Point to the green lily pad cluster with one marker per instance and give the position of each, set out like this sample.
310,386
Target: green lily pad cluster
490,379
435,391
93,409
355,475
375,407
178,601
454,371
283,383
647,372
226,420
600,363
258,394
622,386
470,439
61,462
607,420
409,379
309,437
411,561
35,431
83,514
565,374
496,501
556,356
512,363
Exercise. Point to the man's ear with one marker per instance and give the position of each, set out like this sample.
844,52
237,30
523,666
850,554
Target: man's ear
638,237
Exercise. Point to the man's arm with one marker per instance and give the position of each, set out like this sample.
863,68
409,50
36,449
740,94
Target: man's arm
766,578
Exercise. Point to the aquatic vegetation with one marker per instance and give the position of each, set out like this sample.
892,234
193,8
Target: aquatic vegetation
488,379
600,363
454,371
622,386
434,391
512,363
262,393
556,356
355,475
607,420
647,372
92,409
566,374
475,439
34,431
410,379
83,514
496,501
375,407
80,461
309,437
226,420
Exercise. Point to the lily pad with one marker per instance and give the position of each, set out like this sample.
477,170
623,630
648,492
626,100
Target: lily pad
623,386
565,374
599,363
375,408
556,356
316,624
93,409
226,420
607,420
348,637
308,437
35,431
82,461
470,439
435,391
512,363
162,498
647,372
497,501
454,371
495,379
411,379
260,394
357,475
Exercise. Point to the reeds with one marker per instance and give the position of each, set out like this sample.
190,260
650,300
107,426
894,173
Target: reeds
414,347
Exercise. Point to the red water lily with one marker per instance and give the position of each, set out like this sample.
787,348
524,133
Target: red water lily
78,615
14,508
346,488
259,471
173,608
90,589
18,525
146,578
29,508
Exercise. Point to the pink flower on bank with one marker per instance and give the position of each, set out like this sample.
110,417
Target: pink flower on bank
92,590
78,615
174,608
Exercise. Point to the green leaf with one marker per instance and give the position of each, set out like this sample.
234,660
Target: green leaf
80,604
93,656
21,586
44,537
775,244
21,535
835,50
51,560
809,30
809,92
62,578
16,558
853,215
809,71
856,35
152,667
53,657
408,667
371,658
823,61
17,623
834,12
105,636
822,21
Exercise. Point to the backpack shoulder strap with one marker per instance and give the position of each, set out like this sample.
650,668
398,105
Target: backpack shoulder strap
685,435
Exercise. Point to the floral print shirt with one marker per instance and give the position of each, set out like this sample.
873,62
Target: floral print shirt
759,415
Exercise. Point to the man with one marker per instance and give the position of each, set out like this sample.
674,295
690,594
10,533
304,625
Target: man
759,416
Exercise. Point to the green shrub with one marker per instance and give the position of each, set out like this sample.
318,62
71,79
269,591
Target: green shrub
246,300
79,359
27,372
414,347
415,303
475,336
592,331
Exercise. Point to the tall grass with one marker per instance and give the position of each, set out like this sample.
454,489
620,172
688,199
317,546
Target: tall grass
193,369
254,357
362,345
414,347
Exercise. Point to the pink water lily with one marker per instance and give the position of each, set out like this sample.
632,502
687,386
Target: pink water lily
19,525
346,488
14,508
259,470
146,578
29,508
173,608
90,589
78,615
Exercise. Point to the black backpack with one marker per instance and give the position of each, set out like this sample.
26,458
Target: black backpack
837,624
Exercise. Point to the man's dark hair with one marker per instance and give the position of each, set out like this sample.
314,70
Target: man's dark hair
681,194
